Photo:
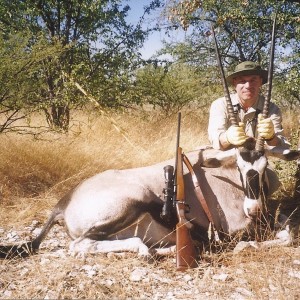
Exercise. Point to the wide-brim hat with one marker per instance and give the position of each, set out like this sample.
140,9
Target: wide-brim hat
248,68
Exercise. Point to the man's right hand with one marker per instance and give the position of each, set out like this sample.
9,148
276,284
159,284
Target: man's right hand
236,134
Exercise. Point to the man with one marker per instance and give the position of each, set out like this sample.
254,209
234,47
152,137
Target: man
247,80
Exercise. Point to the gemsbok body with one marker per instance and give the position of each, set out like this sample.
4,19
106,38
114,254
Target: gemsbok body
119,210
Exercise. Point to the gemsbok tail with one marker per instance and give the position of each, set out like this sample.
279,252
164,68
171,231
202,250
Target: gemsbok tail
29,248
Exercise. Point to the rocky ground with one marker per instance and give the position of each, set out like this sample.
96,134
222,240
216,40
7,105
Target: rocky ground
54,274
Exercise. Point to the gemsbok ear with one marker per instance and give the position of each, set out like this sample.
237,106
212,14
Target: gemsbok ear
221,158
283,153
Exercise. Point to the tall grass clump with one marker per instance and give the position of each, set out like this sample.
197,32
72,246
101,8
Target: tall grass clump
37,172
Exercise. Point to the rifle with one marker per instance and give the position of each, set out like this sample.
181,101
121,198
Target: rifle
185,249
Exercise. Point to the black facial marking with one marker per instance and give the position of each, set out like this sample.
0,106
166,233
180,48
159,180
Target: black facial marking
252,184
251,156
250,143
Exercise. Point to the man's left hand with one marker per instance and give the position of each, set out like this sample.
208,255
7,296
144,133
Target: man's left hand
265,127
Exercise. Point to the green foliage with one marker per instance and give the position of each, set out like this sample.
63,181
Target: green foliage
97,48
244,27
170,89
287,88
21,76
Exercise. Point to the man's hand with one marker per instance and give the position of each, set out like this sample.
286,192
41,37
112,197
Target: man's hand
236,134
265,127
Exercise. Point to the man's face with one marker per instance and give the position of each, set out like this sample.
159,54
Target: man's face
247,88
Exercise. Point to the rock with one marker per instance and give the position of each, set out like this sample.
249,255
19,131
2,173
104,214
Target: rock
294,273
245,245
138,274
221,277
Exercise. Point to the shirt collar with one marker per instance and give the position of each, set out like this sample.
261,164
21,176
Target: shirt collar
259,104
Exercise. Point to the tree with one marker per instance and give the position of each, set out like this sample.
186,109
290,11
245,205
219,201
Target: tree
21,80
287,87
98,48
244,26
172,88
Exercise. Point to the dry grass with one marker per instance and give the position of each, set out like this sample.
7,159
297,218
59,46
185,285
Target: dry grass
34,174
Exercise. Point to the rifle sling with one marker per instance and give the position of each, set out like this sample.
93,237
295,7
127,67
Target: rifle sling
198,190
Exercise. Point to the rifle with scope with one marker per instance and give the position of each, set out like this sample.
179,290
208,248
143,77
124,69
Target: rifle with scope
174,196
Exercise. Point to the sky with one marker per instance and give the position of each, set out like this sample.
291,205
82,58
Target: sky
154,43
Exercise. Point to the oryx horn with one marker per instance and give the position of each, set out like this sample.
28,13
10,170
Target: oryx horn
232,116
260,140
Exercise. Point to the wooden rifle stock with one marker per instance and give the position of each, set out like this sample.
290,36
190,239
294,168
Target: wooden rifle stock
185,250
